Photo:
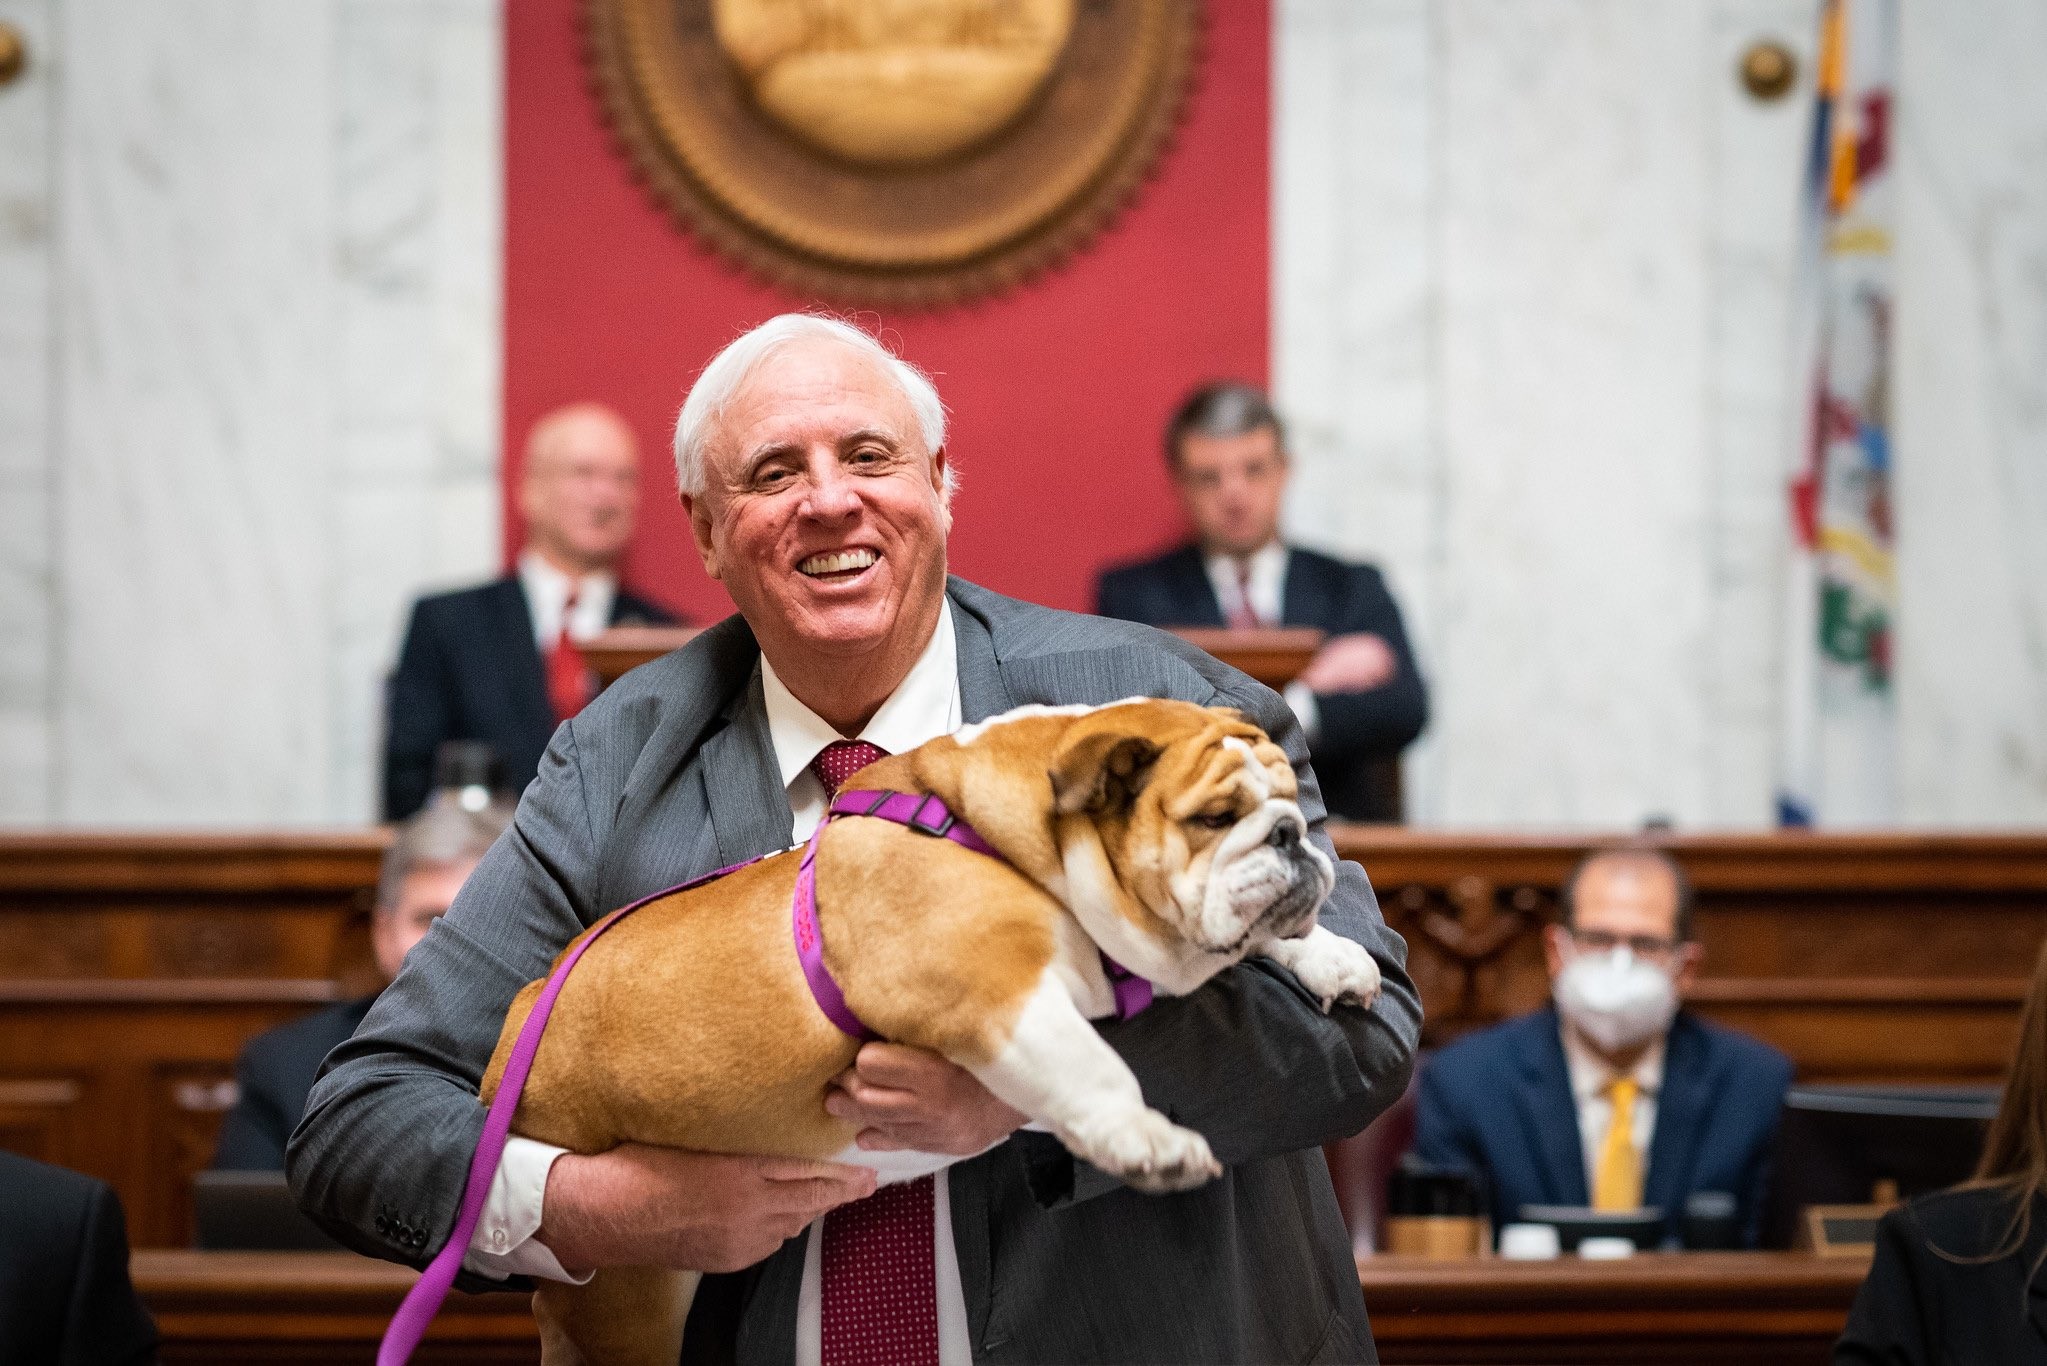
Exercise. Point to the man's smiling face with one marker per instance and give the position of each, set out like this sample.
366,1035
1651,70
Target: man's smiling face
822,512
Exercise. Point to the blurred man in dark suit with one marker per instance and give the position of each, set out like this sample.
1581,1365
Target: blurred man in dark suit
499,663
1613,1096
1361,700
65,1296
430,858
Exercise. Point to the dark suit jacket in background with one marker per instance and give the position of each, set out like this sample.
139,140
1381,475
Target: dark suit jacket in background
1920,1308
470,670
274,1074
671,773
1498,1103
1342,599
65,1296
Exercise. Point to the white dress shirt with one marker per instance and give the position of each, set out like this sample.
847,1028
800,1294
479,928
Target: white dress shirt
547,592
1267,601
923,707
1590,1078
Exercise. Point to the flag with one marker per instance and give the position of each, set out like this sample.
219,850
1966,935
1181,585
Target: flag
1839,739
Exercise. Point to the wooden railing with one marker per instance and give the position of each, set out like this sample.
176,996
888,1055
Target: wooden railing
133,967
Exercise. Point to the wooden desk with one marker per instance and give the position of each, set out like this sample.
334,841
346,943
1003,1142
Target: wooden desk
313,1308
1757,1308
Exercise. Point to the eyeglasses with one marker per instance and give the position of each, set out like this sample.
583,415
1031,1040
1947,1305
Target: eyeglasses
1643,946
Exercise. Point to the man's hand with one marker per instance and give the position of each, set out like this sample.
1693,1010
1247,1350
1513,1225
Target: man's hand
639,1205
906,1098
1353,663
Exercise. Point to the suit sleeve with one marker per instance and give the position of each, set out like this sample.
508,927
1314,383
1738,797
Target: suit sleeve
1887,1326
380,1157
1443,1134
1381,722
416,716
1250,1061
105,1323
253,1135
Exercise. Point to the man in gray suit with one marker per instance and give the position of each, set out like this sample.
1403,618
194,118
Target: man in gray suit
813,467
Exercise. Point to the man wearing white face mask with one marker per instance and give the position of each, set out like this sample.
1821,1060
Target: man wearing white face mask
1613,1096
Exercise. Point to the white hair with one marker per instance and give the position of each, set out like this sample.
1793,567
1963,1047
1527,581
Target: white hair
729,370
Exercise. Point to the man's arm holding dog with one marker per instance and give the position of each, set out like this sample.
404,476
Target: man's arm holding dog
382,1153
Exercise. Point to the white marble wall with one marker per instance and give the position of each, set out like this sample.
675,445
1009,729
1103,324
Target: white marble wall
1531,270
261,258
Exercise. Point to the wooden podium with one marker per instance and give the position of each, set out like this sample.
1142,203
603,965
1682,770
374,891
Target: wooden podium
628,647
1275,657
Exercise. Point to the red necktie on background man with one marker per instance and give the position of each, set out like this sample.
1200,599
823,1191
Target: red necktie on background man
568,673
1243,616
878,1267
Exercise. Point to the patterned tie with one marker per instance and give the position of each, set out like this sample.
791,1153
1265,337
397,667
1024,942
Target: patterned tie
1243,616
568,673
878,1268
1618,1183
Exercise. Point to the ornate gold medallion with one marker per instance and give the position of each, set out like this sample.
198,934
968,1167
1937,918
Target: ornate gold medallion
908,152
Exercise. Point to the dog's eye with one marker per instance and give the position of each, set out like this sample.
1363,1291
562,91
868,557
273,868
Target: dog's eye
1216,820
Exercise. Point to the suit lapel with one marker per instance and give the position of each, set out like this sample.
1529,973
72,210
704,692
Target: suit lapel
983,693
1301,596
1549,1112
1193,594
743,792
1680,1117
524,675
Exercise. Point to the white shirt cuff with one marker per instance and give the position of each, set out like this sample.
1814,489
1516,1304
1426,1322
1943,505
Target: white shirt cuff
1302,700
503,1244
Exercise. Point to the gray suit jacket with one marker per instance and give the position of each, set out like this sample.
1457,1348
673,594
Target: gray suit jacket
671,773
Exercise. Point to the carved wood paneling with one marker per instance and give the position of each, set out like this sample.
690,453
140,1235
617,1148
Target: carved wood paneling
132,970
1865,957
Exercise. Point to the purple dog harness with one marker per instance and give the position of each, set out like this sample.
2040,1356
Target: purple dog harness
925,814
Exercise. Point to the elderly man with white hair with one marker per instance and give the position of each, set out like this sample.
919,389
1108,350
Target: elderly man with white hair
813,466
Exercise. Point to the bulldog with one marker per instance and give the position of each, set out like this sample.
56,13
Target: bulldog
1161,835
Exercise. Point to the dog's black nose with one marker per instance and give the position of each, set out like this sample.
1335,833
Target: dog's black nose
1284,835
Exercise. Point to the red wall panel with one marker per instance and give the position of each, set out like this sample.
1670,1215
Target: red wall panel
1057,390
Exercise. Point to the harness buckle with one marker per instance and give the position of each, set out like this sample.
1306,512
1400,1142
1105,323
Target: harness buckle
923,826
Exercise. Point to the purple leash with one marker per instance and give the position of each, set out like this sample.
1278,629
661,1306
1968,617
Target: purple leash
925,814
423,1301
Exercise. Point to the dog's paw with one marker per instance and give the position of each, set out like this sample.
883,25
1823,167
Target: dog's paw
1152,1153
1331,967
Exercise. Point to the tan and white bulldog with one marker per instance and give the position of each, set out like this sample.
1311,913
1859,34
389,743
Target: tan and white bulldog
1161,833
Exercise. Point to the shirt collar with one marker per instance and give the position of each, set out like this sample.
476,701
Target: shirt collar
543,582
924,706
1266,563
1590,1075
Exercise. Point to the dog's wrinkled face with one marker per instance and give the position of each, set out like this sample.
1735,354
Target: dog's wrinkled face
1196,813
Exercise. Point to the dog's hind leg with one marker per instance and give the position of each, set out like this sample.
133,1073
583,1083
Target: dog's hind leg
623,1316
1056,1069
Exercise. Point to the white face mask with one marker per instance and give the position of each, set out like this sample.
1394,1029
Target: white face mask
1615,999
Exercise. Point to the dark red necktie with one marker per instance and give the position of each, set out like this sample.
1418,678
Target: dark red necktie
878,1268
568,673
1243,616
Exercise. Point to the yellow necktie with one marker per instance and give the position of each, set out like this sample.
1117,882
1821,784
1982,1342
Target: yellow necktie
1618,1184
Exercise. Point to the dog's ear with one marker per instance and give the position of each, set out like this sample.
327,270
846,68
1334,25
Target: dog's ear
1101,771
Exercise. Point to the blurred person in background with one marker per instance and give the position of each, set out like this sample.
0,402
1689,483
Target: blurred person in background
429,859
1613,1096
1361,700
1961,1276
65,1296
499,662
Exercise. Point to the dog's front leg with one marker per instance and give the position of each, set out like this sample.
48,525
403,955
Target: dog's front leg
1056,1069
623,1316
1331,967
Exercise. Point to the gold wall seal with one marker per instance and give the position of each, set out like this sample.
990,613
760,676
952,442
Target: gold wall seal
902,152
